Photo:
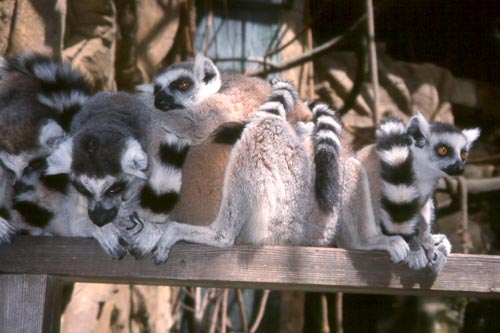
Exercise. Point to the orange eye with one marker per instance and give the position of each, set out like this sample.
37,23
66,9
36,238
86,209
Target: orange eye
464,155
442,151
183,85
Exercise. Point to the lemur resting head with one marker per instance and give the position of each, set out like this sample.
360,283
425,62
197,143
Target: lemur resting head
185,84
440,146
106,154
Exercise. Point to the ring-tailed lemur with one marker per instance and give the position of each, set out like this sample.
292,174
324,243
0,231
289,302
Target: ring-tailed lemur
196,98
107,158
412,160
269,192
38,98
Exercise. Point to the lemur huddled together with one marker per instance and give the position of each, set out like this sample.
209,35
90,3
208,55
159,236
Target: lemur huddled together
214,158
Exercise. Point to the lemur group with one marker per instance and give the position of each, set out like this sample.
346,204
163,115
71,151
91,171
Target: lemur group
213,158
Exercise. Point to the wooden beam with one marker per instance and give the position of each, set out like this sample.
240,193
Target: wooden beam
30,303
283,268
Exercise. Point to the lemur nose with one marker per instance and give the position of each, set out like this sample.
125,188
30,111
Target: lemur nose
164,101
102,216
21,187
455,169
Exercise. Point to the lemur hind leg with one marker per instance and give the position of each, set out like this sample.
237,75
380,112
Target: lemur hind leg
358,228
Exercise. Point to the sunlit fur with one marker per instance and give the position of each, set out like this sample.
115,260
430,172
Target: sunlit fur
38,98
413,158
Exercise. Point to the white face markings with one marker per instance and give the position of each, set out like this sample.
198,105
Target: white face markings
170,75
15,163
96,186
456,141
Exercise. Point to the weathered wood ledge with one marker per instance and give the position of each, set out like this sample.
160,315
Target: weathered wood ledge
281,268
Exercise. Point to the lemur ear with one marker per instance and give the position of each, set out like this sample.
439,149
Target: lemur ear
145,88
205,71
418,129
471,134
61,159
51,135
134,159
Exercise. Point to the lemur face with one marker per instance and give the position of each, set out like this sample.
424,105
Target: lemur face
104,196
441,146
50,135
105,184
176,89
449,151
185,84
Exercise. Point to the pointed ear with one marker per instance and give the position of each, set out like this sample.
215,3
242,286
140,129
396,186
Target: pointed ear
144,88
60,160
51,135
471,134
134,160
418,129
205,71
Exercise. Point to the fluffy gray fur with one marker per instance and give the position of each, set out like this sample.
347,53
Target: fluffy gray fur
37,96
412,152
269,197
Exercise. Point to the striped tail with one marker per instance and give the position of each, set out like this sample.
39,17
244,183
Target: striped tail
326,136
62,88
282,100
400,199
161,193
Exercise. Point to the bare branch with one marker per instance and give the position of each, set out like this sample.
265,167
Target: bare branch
373,61
260,314
474,186
325,326
215,314
309,55
464,228
223,323
243,313
340,312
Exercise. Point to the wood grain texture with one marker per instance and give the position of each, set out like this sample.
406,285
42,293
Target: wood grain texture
29,303
282,268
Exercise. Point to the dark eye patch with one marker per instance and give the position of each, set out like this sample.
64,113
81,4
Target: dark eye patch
183,83
116,188
38,164
82,189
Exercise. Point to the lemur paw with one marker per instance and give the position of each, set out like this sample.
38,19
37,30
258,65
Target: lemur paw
442,244
442,249
438,262
417,259
7,231
139,237
398,249
283,98
162,250
108,238
429,256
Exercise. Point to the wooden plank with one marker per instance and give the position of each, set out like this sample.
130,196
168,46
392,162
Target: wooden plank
283,268
30,303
